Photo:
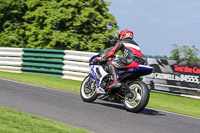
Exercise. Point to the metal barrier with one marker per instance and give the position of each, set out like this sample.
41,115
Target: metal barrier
74,65
59,63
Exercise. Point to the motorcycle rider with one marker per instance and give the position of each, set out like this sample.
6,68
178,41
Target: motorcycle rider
132,56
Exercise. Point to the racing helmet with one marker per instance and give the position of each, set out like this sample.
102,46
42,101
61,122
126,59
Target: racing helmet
125,34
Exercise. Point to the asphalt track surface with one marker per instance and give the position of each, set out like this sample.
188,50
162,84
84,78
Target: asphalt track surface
98,117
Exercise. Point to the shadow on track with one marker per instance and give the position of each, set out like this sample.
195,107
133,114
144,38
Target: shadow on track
110,104
146,111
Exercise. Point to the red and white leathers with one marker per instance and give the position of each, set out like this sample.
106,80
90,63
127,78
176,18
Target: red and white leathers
132,56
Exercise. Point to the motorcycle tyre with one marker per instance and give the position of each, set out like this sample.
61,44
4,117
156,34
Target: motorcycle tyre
144,98
85,99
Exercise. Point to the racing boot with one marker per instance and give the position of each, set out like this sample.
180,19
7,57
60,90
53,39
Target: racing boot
115,82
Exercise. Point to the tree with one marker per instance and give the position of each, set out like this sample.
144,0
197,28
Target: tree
11,23
176,52
61,24
185,53
190,54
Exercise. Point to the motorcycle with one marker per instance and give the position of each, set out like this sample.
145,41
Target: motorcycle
133,93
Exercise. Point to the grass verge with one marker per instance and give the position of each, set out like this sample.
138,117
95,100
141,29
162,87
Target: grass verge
44,81
177,104
13,121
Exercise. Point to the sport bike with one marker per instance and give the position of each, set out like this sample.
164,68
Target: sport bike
132,92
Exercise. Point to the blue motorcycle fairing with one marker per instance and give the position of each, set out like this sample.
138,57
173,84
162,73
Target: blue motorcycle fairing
95,76
91,61
144,70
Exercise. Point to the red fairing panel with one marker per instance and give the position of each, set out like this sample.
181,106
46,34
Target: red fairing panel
132,65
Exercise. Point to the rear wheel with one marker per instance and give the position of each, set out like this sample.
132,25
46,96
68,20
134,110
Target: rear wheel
140,97
88,89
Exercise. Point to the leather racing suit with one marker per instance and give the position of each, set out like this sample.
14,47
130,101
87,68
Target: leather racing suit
132,56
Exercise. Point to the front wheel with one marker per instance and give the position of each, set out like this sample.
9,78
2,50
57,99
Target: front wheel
88,89
140,97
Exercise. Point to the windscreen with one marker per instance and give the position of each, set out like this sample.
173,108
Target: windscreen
105,51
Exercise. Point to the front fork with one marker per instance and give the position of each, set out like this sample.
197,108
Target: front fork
89,79
96,82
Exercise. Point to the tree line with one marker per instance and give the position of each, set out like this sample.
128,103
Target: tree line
181,53
185,53
57,24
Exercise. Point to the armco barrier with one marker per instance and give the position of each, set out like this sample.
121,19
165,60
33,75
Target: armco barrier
74,65
11,59
59,63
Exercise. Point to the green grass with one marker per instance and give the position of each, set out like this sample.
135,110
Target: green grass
44,81
165,102
12,121
176,104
